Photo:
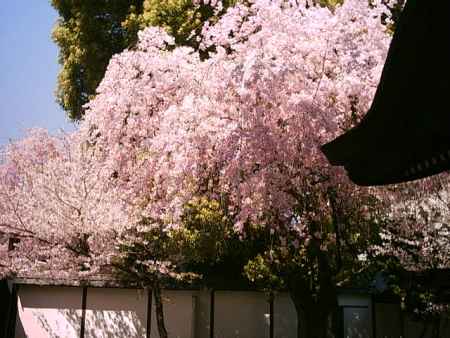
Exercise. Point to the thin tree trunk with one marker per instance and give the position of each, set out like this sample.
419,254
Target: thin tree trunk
159,311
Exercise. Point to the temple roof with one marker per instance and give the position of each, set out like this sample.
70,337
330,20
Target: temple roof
405,135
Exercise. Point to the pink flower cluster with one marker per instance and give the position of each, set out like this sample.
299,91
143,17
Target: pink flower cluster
248,121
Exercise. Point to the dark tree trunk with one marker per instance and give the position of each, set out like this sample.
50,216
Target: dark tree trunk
314,292
159,311
314,304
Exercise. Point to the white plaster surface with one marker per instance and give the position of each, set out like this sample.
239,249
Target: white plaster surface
114,312
202,308
285,316
178,313
241,315
357,314
53,311
44,312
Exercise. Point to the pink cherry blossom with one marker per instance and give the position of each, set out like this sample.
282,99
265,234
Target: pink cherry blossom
247,122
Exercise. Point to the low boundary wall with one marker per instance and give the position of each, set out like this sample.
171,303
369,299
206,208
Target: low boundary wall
106,312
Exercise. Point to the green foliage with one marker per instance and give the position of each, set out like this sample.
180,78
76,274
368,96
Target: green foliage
88,33
272,261
329,3
211,247
420,292
180,18
333,252
206,228
205,246
259,271
149,256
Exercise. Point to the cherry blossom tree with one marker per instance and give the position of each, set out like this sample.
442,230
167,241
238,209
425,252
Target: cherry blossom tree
243,128
415,245
165,120
55,200
69,218
418,234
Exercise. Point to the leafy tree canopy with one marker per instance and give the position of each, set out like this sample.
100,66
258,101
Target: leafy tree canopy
88,33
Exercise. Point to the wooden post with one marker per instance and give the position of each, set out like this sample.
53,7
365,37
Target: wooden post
12,313
211,315
149,312
83,312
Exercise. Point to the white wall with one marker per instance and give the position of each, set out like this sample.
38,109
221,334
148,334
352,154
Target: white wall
114,313
202,305
44,311
50,311
389,322
357,313
241,315
178,314
285,317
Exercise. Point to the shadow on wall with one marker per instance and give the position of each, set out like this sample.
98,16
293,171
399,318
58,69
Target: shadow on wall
48,312
114,313
57,312
56,323
356,322
112,324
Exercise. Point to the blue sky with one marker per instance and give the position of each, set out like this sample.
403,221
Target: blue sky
29,67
